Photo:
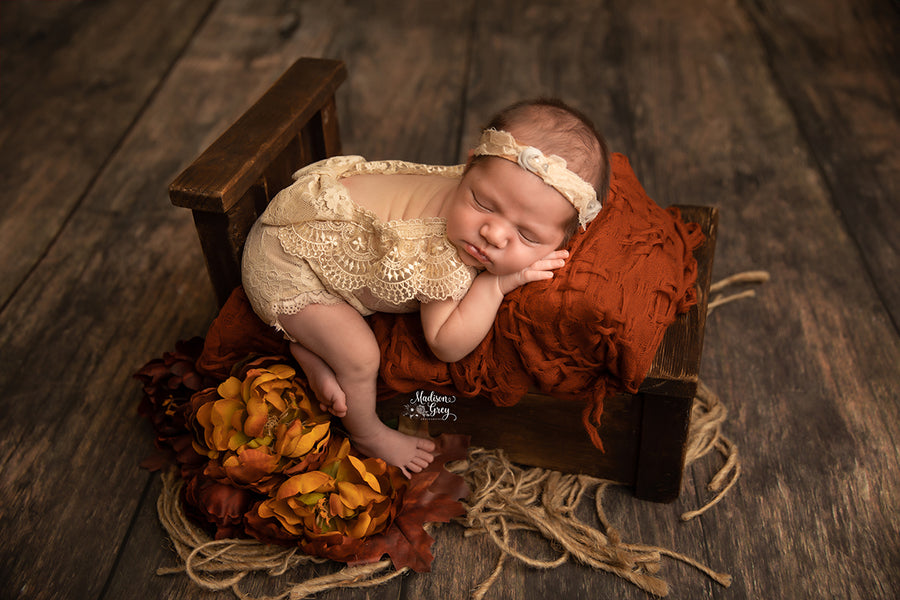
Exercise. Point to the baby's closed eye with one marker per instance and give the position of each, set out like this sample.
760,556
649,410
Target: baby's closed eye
529,237
481,205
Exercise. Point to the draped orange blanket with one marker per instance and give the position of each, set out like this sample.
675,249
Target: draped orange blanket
591,331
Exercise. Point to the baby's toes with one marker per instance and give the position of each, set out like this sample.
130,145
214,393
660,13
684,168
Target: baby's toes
339,405
418,463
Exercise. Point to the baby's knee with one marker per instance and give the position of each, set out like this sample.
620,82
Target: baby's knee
371,358
365,359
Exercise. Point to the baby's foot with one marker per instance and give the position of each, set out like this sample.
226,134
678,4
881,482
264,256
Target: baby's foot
322,380
411,454
329,393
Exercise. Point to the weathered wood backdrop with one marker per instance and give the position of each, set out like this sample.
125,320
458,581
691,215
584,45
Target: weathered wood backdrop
782,113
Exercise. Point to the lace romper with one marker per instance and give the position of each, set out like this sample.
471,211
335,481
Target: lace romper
314,245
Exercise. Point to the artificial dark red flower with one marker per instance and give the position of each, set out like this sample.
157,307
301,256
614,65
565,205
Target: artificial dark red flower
217,504
168,384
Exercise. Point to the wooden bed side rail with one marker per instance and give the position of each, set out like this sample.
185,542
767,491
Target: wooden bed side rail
677,361
293,124
667,393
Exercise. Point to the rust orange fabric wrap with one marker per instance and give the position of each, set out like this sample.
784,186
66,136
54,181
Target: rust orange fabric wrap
591,331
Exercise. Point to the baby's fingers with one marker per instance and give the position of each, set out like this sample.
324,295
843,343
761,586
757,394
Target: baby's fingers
563,254
542,269
551,261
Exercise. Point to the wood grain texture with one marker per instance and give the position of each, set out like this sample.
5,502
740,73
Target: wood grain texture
836,64
74,81
407,73
676,365
228,186
122,281
715,125
220,176
780,114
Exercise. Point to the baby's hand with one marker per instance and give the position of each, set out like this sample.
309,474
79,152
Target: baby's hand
537,271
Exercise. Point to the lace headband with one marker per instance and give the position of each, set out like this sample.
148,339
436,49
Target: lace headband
552,169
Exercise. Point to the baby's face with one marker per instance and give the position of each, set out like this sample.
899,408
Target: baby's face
503,218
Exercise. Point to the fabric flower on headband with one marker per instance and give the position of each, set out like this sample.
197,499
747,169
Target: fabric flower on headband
532,159
552,169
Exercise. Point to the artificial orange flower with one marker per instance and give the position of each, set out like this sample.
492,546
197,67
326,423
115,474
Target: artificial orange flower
259,428
348,496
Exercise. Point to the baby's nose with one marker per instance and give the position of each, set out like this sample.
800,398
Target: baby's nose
494,234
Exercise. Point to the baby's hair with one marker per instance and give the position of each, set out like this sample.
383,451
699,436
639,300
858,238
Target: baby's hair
554,127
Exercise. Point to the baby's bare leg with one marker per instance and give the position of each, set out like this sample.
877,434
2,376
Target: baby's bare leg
339,339
322,380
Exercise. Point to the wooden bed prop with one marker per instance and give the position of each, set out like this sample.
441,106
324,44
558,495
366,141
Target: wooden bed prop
295,123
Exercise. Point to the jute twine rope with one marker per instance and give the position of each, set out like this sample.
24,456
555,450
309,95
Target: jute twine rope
505,499
718,299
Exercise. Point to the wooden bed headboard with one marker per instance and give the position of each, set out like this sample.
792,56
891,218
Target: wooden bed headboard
229,185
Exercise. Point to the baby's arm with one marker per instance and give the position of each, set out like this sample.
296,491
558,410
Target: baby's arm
454,328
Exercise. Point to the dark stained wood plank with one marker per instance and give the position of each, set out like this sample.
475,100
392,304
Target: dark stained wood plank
75,75
406,63
667,394
836,63
71,337
227,187
218,178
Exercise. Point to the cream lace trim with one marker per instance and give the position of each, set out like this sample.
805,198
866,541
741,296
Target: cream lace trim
348,253
396,261
388,167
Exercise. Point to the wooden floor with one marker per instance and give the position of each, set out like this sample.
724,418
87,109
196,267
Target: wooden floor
783,113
